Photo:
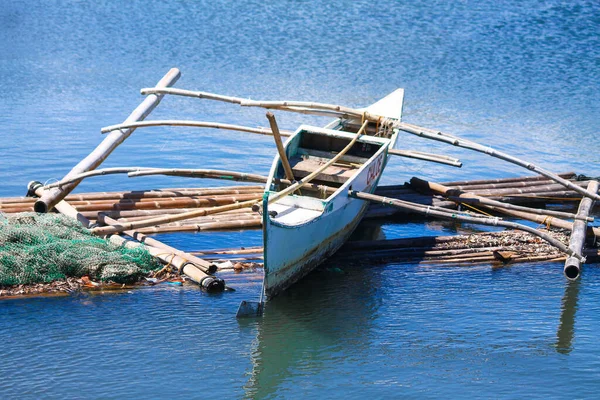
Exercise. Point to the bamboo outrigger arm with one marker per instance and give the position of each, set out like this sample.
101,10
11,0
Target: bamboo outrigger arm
467,144
348,112
96,172
51,197
201,173
195,124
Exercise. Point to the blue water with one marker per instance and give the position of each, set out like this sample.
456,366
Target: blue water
521,76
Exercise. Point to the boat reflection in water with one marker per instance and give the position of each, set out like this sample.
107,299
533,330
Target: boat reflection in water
302,329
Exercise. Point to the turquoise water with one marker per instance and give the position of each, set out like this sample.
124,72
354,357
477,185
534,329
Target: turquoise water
519,76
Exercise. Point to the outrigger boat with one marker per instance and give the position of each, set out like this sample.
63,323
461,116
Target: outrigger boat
303,229
304,224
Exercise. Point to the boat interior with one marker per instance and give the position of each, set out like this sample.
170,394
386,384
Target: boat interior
312,147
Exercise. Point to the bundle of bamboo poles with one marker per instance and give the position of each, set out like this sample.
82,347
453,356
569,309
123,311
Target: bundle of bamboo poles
138,205
489,247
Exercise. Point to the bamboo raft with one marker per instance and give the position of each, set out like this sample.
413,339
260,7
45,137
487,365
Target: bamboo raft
562,202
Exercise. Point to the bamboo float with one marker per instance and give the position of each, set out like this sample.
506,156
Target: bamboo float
493,203
195,124
202,173
181,203
566,175
146,171
541,219
206,267
572,267
427,211
170,218
166,193
208,282
50,198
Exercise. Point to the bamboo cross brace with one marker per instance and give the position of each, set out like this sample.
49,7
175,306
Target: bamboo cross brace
106,230
467,144
315,173
196,124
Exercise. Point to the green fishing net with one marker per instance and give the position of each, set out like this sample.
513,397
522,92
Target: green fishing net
41,248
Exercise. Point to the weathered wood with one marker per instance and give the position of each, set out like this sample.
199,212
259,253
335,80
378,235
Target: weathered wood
573,265
50,198
194,124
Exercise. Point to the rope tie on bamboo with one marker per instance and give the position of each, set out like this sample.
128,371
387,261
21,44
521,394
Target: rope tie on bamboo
427,210
547,221
476,209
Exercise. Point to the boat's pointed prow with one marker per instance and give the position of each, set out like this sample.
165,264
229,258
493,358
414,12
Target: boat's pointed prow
390,106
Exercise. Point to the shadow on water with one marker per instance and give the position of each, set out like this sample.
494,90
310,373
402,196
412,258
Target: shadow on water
304,327
566,327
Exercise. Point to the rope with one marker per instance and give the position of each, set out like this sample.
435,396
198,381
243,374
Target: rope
548,222
476,209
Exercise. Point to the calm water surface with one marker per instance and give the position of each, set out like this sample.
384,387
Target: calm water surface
519,76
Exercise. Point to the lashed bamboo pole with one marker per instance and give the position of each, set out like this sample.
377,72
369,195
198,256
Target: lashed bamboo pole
215,217
50,198
194,124
279,143
181,203
499,204
417,155
205,266
315,173
427,211
170,218
572,265
566,175
521,190
541,219
208,282
192,93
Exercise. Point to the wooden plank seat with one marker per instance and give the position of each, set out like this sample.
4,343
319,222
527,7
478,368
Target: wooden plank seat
302,167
